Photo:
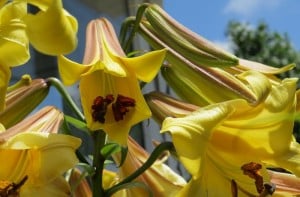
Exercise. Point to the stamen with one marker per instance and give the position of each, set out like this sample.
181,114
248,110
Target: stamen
99,107
252,170
234,189
120,107
11,189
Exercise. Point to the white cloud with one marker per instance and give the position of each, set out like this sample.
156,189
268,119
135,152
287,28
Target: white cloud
248,7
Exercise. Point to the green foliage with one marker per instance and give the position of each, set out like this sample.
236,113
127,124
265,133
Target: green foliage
262,45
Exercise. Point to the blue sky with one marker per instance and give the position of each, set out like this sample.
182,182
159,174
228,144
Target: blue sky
210,18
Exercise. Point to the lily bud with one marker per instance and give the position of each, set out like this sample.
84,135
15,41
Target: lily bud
22,100
192,46
46,120
163,105
199,80
191,80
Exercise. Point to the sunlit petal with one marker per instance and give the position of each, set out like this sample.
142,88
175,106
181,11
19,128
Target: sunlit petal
215,141
13,39
52,30
147,66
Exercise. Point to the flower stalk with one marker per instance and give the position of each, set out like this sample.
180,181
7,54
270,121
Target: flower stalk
66,96
99,138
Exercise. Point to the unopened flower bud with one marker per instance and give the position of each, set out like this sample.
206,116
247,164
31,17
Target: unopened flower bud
22,100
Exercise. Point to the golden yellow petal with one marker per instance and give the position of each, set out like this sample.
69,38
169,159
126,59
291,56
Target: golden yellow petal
13,39
146,66
258,83
43,149
71,71
52,31
191,134
57,187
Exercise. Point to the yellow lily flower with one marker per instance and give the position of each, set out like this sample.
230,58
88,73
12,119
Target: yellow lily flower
28,156
109,89
219,142
52,31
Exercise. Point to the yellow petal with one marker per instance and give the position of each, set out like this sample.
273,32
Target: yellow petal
41,148
146,66
2,2
2,128
109,178
70,71
58,187
52,31
196,130
251,65
13,39
258,83
5,75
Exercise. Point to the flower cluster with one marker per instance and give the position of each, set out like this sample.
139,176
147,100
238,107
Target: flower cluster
231,124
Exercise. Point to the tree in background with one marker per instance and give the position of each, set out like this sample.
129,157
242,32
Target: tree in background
262,45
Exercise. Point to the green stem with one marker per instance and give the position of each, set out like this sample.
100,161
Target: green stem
25,80
61,89
152,158
99,138
137,21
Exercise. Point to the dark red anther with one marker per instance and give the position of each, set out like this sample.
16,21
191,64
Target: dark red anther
120,107
99,107
252,170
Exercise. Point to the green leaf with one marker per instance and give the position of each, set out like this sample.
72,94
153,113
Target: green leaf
76,123
110,149
108,161
124,151
88,169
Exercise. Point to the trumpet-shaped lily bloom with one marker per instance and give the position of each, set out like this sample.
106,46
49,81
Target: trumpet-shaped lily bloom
109,88
51,31
29,151
230,143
